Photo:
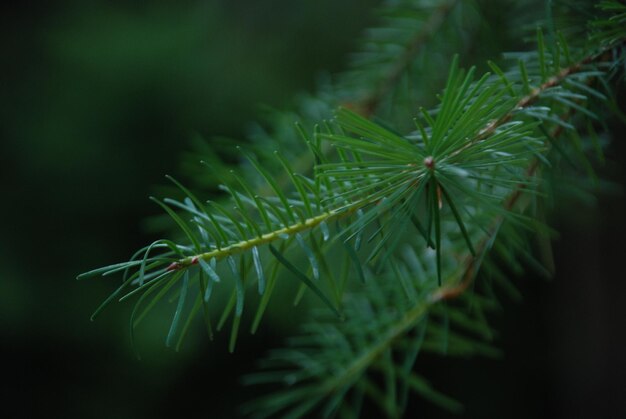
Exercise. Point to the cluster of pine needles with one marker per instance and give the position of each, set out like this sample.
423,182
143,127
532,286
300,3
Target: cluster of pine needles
403,222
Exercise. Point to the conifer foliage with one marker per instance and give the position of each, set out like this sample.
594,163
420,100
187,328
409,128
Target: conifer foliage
402,221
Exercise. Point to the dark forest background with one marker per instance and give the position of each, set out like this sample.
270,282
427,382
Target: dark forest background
100,99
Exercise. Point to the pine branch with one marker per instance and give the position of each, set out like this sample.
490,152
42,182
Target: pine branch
473,260
394,332
408,321
416,217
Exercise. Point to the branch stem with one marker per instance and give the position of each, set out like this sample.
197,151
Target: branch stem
413,47
245,245
529,99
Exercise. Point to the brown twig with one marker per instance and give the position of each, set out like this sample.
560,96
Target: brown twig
472,262
528,100
369,103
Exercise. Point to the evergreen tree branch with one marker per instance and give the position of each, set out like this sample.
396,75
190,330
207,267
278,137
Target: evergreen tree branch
472,262
458,182
414,315
393,334
535,94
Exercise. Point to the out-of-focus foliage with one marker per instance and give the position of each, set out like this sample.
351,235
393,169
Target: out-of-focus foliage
99,100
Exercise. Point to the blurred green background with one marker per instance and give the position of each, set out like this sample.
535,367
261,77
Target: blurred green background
100,100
